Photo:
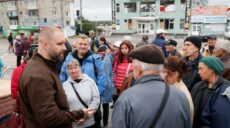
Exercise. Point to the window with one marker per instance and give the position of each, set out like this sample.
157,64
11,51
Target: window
45,20
182,1
13,22
67,13
54,13
11,4
33,13
118,22
54,2
20,13
148,6
31,22
182,23
130,7
32,2
67,22
117,7
167,23
12,13
128,24
167,6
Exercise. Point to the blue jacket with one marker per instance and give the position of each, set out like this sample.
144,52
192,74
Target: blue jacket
216,113
106,96
161,43
87,68
1,65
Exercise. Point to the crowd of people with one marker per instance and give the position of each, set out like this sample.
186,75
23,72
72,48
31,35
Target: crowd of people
152,84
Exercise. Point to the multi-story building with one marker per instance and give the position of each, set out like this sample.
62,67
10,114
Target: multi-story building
146,16
33,14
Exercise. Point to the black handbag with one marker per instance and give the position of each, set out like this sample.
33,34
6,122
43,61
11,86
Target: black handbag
97,114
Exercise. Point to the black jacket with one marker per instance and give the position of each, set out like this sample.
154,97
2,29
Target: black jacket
201,95
192,76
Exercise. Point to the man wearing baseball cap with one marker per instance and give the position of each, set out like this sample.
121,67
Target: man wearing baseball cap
210,46
138,106
191,48
160,40
171,50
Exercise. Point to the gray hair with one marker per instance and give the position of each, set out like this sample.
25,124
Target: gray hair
147,66
73,62
225,45
83,37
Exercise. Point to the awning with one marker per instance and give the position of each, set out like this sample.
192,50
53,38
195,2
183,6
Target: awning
146,18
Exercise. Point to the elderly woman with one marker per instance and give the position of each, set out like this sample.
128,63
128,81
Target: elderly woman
174,69
222,51
82,85
210,70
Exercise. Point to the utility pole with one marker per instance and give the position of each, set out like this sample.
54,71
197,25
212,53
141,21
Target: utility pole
188,15
18,19
81,15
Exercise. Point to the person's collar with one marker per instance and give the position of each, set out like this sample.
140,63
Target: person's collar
218,83
53,64
148,78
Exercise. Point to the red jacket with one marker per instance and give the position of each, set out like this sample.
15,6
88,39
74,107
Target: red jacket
15,79
119,72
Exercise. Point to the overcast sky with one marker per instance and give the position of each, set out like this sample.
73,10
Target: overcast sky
95,9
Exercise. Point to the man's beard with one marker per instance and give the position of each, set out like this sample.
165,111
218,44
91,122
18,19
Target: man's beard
57,57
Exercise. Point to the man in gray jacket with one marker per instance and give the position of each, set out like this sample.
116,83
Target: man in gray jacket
138,106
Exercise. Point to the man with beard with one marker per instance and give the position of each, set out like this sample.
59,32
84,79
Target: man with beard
210,46
42,99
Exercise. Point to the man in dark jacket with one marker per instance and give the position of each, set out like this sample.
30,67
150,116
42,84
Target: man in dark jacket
10,40
210,69
160,40
191,49
42,99
171,50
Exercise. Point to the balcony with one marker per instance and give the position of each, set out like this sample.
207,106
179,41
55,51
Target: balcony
13,17
31,6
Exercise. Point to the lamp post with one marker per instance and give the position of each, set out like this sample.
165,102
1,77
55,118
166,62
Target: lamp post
81,15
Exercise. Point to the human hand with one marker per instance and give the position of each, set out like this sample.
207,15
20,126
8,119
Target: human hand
87,113
80,121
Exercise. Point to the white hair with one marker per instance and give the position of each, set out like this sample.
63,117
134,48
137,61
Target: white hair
147,66
225,45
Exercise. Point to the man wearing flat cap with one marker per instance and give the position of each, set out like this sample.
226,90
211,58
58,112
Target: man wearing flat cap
140,106
171,50
211,86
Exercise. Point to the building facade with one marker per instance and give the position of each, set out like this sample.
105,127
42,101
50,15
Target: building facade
33,14
146,16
